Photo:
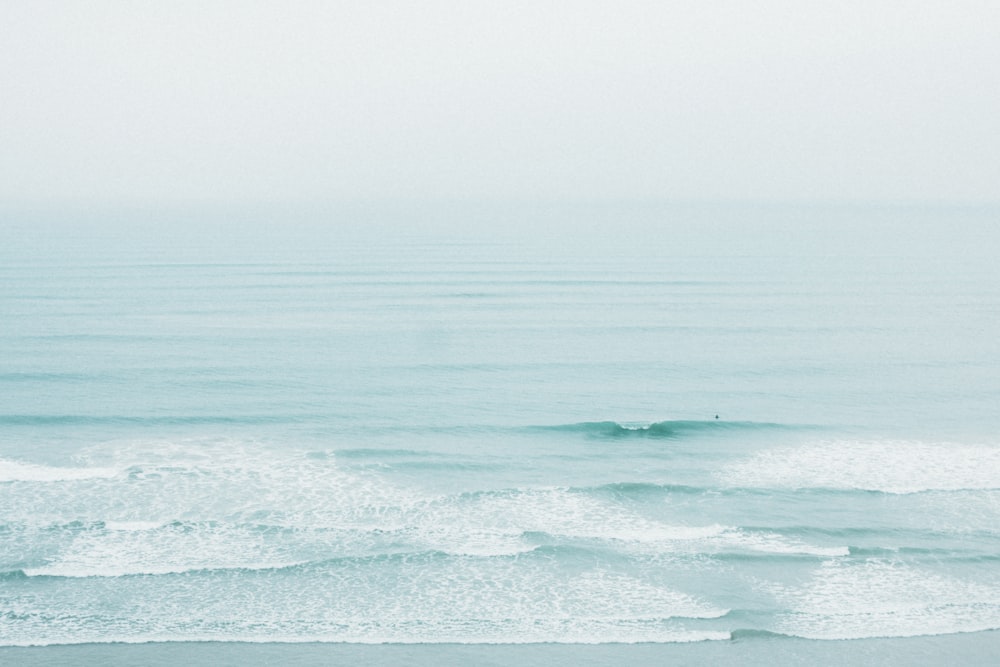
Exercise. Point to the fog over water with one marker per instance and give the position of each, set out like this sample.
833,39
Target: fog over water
491,332
318,101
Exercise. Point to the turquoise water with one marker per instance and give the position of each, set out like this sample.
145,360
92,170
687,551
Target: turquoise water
499,424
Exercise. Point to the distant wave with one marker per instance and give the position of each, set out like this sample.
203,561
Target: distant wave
601,429
152,420
42,376
664,429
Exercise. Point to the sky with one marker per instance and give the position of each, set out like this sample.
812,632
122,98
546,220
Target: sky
326,101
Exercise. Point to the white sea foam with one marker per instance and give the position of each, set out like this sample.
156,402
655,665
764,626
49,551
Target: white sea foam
131,548
852,600
16,471
131,525
497,520
534,631
193,506
223,510
495,524
161,482
466,600
764,542
411,598
888,466
189,506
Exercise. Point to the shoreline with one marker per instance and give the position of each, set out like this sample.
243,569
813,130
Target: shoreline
961,648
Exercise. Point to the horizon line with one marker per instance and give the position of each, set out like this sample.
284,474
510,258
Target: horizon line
151,203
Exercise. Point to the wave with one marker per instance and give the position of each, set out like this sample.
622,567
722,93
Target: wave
102,569
57,570
105,570
150,420
672,429
885,466
937,554
368,452
884,597
42,376
16,471
638,490
581,637
736,636
641,489
404,598
141,549
743,634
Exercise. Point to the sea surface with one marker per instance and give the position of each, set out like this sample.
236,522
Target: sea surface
501,424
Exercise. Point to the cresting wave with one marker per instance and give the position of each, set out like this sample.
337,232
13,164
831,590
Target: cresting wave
16,471
669,429
551,524
663,429
309,545
235,550
429,597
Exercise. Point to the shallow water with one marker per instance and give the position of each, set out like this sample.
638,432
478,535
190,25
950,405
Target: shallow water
390,426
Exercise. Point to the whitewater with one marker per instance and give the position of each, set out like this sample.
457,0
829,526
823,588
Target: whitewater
652,425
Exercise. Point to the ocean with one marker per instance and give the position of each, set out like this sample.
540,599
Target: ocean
500,432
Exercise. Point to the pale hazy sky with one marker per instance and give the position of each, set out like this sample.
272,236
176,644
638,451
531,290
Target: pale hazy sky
768,100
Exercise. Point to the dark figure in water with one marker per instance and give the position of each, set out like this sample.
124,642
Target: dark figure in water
716,416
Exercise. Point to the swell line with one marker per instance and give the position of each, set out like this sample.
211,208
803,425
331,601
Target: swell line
164,420
670,429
